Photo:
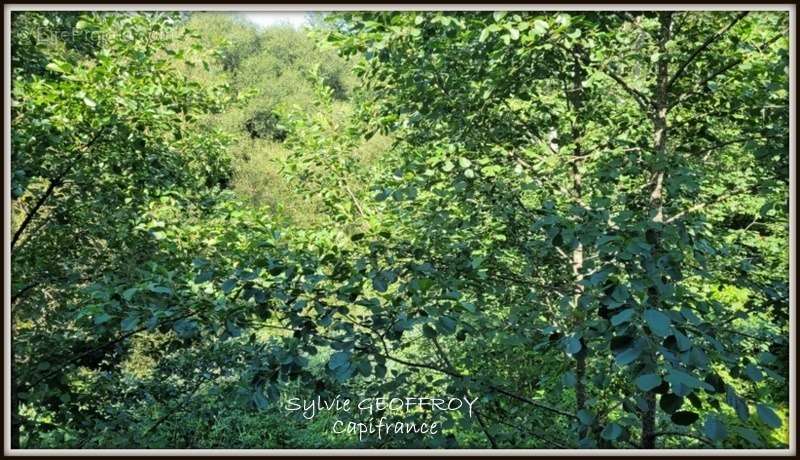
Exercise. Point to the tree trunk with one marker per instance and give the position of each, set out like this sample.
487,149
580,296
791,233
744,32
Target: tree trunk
657,199
575,96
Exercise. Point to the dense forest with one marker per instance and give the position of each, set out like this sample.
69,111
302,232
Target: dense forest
574,224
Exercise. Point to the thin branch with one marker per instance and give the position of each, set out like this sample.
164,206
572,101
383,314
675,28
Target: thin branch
686,435
485,429
101,347
526,431
702,48
641,99
491,387
683,213
177,408
19,294
700,206
705,81
720,71
54,183
355,200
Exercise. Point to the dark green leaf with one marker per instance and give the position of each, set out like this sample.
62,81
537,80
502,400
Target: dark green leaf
670,403
647,382
611,432
768,416
658,322
714,428
684,418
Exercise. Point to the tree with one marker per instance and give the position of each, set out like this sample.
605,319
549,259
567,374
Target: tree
475,101
98,135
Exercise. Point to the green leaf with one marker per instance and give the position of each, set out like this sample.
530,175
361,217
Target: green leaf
622,317
768,416
658,322
260,401
339,359
130,323
714,428
429,332
55,67
102,318
611,432
228,285
128,294
670,403
742,410
540,27
684,418
447,325
628,356
204,276
89,102
766,358
749,435
572,345
603,239
753,373
737,403
380,371
585,417
647,382
676,377
160,290
379,283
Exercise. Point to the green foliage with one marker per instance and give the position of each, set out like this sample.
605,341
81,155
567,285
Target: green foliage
287,77
582,221
102,134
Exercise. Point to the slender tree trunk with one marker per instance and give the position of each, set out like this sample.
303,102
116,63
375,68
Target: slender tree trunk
657,199
576,99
